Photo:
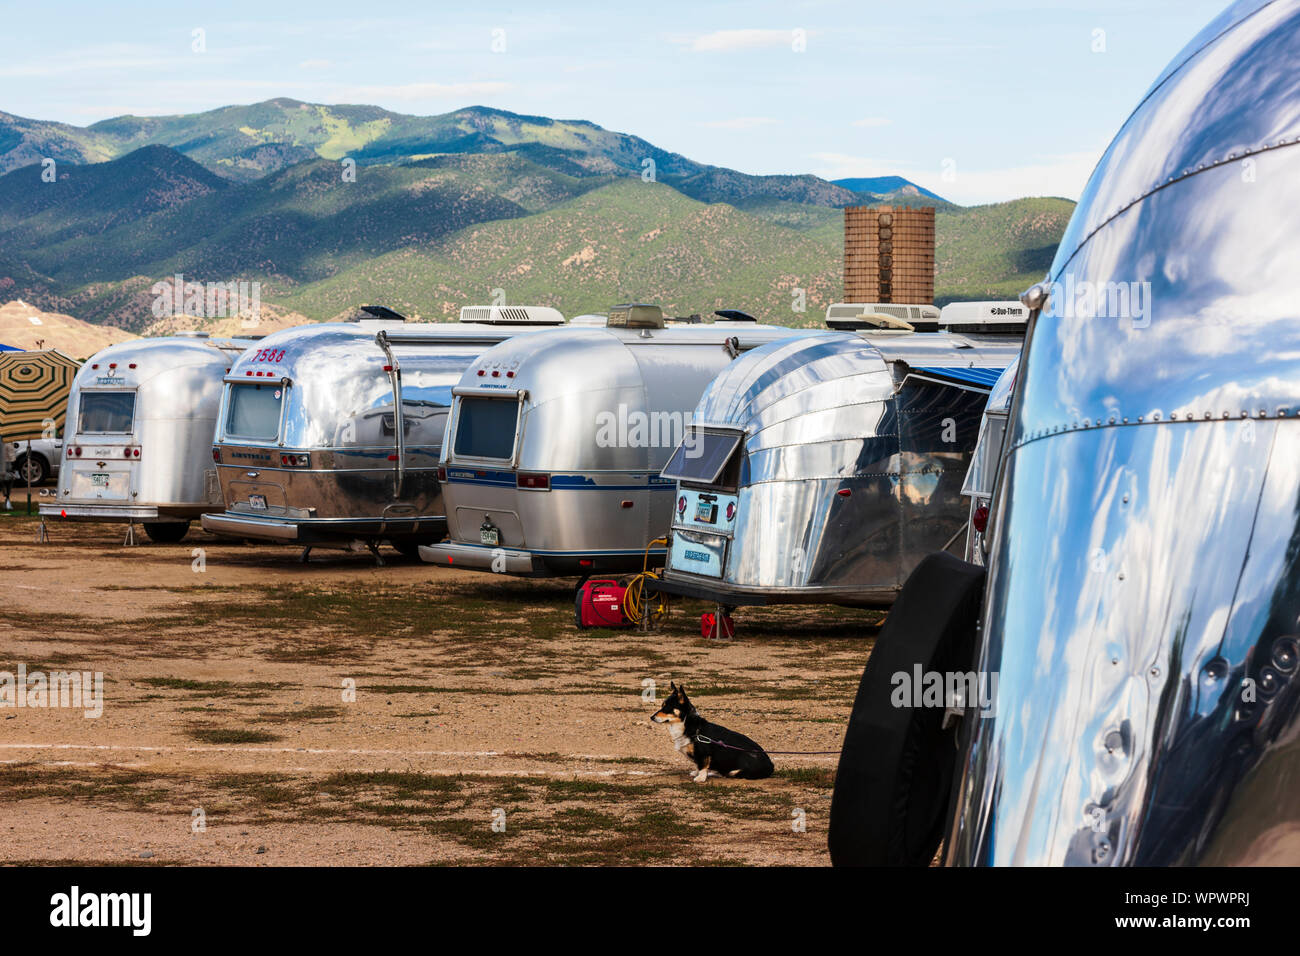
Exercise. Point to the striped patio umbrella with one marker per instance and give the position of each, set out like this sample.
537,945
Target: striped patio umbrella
34,390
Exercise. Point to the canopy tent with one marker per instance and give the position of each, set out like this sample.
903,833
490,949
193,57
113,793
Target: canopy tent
34,390
9,348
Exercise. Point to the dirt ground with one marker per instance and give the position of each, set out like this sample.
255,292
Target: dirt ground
484,728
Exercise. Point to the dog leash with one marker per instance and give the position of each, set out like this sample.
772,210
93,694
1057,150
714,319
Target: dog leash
701,739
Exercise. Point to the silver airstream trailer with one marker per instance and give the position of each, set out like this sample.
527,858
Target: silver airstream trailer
330,433
1142,609
983,470
137,446
555,442
823,469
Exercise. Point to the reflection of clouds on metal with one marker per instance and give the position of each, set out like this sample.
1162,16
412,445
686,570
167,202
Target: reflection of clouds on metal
34,389
1145,558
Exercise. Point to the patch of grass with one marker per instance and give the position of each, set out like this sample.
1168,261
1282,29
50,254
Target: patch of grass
561,790
402,782
820,777
230,735
305,714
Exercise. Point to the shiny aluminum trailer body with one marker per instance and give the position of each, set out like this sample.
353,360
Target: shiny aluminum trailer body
308,446
1143,602
588,417
847,452
137,446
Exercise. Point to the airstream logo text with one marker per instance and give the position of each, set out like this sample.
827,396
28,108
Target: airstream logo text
951,689
109,380
633,428
207,300
76,690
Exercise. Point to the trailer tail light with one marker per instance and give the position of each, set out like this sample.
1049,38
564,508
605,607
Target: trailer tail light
132,365
681,505
135,452
625,503
216,455
584,562
731,510
535,482
442,473
980,519
481,372
496,373
845,492
126,453
295,461
77,451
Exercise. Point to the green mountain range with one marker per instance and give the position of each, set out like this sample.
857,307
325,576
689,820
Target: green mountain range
331,207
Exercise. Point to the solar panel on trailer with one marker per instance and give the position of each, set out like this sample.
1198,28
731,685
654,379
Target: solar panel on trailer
34,389
703,458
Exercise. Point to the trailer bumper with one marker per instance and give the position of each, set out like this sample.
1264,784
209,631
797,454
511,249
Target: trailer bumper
483,558
244,526
78,512
311,531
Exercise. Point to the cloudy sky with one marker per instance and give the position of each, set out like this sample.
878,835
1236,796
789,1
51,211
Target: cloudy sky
979,100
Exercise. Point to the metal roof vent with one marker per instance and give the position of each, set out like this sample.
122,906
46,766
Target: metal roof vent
855,316
372,315
511,315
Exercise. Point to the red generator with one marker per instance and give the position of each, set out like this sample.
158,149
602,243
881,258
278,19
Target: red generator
599,603
715,625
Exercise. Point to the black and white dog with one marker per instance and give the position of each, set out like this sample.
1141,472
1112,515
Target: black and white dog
710,747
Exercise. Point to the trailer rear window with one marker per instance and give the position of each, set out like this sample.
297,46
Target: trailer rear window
485,427
106,413
702,456
254,411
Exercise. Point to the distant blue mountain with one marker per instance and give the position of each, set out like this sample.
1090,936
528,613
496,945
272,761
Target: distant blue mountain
883,186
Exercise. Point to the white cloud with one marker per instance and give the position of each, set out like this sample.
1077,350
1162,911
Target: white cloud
1062,174
740,122
422,91
873,122
315,64
726,41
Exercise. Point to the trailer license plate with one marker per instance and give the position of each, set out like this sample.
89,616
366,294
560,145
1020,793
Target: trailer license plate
489,536
257,502
706,512
99,480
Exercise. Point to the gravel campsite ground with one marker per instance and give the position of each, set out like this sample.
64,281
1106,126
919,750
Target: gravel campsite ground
484,728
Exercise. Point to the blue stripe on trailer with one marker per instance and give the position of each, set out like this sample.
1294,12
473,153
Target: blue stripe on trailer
506,479
986,377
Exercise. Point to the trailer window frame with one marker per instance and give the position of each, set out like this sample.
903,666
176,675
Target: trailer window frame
451,441
228,408
93,392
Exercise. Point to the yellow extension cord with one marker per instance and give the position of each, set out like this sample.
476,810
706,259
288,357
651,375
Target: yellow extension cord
634,594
